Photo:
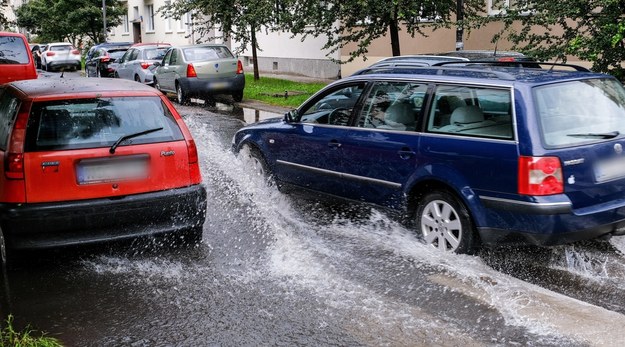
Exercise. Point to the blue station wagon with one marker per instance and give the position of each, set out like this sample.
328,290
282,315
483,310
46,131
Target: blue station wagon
472,155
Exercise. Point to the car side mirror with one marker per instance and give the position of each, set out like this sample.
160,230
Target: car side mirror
290,116
157,63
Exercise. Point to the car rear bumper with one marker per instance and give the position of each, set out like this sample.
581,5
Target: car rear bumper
49,225
56,64
198,87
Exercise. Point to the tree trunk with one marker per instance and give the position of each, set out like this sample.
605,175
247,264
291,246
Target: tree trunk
254,54
394,32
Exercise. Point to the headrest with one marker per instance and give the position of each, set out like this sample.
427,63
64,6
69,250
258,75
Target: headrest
466,114
400,112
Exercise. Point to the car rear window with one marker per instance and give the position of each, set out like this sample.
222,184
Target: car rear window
206,53
92,123
13,51
61,48
578,112
155,53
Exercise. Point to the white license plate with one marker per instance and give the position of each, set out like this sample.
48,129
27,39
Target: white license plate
610,169
219,85
112,170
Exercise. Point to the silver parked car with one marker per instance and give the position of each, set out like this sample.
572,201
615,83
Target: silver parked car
200,71
137,62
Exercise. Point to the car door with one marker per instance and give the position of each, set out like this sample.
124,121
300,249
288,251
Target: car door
125,68
379,153
91,64
308,155
165,73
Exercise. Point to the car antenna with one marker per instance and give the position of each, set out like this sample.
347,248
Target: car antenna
555,62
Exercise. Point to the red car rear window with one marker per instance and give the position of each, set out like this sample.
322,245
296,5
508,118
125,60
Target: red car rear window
92,123
13,51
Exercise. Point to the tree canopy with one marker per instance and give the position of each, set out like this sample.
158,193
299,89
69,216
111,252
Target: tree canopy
238,20
362,21
588,30
61,20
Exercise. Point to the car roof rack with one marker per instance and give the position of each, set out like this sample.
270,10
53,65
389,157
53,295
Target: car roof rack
517,63
466,71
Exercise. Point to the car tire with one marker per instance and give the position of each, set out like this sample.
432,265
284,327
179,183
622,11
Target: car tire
193,236
115,75
444,223
181,95
3,252
237,96
98,74
255,160
138,79
48,68
157,86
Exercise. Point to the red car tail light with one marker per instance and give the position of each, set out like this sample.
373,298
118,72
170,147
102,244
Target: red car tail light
145,65
194,165
540,176
49,53
191,71
75,51
105,59
239,67
14,157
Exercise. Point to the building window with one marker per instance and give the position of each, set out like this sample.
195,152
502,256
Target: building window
135,13
182,25
189,20
150,13
499,7
126,24
167,17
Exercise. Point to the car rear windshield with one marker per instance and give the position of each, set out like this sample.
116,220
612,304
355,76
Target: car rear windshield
578,112
61,48
155,53
206,53
92,123
12,50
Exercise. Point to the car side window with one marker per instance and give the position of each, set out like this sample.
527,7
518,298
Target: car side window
167,57
134,55
126,56
393,106
334,107
472,111
173,60
9,105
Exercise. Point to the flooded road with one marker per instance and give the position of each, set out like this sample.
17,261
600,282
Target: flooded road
277,269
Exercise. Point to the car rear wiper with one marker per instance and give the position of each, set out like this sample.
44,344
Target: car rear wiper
129,136
609,135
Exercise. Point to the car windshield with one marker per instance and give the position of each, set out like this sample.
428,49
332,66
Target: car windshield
578,112
91,123
206,53
12,50
61,48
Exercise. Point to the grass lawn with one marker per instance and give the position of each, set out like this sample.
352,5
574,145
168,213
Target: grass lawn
271,90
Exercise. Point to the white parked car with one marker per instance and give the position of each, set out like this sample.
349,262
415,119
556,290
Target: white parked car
61,56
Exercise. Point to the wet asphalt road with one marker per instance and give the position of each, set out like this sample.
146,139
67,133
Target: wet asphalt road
277,269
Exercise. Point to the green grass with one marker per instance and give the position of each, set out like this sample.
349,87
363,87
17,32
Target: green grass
271,90
24,338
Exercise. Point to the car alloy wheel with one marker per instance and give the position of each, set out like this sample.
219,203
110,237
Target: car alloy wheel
445,224
181,95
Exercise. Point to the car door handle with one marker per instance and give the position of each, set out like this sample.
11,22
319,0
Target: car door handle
406,153
334,144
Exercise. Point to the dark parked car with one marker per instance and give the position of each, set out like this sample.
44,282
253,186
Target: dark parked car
93,160
470,156
104,61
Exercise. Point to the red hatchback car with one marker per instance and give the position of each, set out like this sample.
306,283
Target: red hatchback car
94,160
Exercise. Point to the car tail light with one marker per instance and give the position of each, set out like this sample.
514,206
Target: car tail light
105,59
540,176
49,53
14,157
239,67
191,71
145,65
194,165
75,51
506,59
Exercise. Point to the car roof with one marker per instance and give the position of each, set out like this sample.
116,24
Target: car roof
481,74
53,87
141,44
203,45
8,33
